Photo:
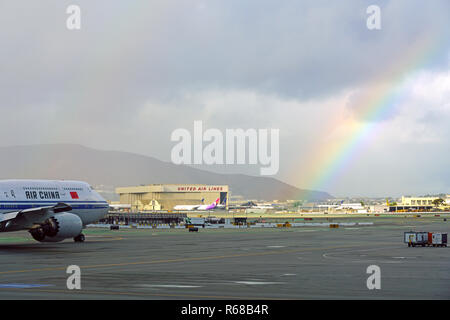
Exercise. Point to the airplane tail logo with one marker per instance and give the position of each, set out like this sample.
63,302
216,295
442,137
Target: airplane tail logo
217,201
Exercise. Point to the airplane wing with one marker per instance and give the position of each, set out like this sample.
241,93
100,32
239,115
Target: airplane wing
60,207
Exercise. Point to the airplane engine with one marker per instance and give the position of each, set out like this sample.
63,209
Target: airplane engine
57,228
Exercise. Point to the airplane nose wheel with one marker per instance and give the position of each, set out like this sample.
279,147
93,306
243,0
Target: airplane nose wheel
79,238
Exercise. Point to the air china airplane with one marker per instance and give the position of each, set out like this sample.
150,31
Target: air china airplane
198,207
50,210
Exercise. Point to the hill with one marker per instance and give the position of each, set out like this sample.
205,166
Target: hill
115,168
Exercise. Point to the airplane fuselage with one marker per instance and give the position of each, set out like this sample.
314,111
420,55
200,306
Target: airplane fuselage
18,195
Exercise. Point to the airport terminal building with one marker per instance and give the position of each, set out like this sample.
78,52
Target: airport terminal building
166,196
413,204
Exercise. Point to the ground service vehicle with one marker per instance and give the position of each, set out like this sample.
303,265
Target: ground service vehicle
425,239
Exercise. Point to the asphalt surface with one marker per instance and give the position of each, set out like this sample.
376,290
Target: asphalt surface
290,263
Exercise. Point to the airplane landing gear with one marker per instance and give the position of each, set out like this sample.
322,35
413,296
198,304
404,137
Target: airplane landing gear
79,238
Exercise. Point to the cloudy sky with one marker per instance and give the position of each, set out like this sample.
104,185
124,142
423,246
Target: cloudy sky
360,112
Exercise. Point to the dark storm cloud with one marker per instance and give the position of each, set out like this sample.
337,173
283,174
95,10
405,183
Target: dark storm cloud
139,69
301,49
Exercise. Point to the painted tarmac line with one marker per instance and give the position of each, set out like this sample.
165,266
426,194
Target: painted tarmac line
11,241
105,240
257,282
144,294
179,286
22,285
180,259
328,254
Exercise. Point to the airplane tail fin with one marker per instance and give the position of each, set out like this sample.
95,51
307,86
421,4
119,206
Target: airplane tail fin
217,201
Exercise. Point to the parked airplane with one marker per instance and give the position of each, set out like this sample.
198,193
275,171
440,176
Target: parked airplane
197,207
50,210
222,205
253,205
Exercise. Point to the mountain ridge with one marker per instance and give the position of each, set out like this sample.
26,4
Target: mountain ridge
118,168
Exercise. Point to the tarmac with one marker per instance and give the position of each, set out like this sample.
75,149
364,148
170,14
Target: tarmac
309,262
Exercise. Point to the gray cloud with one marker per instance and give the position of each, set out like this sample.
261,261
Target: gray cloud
138,70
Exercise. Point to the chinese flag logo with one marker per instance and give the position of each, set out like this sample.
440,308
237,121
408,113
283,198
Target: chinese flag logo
74,195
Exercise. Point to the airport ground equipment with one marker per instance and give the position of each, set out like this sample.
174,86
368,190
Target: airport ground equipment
196,222
284,225
193,229
425,239
439,239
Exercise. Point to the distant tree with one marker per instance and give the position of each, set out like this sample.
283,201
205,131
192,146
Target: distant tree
438,202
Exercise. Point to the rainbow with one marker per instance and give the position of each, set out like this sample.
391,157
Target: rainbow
333,156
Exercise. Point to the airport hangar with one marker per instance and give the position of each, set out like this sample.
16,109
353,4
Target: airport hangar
166,196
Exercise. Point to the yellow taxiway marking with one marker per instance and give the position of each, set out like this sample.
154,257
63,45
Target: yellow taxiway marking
182,259
103,240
